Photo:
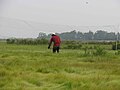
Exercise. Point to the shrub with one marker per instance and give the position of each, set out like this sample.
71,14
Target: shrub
99,51
10,41
117,53
114,46
87,50
73,46
27,41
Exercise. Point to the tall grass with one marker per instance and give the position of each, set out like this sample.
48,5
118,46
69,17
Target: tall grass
29,67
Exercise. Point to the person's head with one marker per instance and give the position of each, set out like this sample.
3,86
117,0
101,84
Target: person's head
53,34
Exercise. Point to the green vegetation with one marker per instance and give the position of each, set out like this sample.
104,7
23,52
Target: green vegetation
27,41
115,45
77,35
34,67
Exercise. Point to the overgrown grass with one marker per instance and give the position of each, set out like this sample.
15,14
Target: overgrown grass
29,67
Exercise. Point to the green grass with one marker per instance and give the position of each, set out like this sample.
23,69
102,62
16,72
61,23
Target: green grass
27,67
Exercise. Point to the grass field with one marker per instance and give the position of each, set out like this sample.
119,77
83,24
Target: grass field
34,67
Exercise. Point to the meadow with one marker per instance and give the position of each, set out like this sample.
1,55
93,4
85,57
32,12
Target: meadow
34,67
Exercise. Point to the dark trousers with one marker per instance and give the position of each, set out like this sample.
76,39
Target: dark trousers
56,49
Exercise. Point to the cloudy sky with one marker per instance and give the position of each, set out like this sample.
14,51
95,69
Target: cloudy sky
63,12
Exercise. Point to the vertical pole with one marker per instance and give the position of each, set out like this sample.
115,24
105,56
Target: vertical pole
117,38
116,45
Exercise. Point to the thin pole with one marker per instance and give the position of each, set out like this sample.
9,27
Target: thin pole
117,38
116,45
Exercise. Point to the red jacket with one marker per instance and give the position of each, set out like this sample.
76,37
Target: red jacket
56,40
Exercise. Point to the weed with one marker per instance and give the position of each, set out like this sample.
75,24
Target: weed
99,51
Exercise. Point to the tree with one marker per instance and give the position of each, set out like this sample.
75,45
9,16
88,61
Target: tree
89,36
42,35
100,35
80,36
110,36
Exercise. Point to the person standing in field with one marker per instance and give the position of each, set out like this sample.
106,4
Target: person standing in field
56,40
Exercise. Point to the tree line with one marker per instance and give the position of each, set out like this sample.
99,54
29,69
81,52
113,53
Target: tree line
73,35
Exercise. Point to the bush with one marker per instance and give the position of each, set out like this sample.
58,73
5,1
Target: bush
117,53
99,51
27,41
73,46
10,41
114,46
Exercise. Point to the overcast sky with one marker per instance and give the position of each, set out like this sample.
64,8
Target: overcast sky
63,12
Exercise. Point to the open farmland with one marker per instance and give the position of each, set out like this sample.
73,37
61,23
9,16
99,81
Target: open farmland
34,67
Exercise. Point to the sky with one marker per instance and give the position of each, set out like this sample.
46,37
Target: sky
59,12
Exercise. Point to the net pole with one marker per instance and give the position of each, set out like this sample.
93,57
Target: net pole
117,38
